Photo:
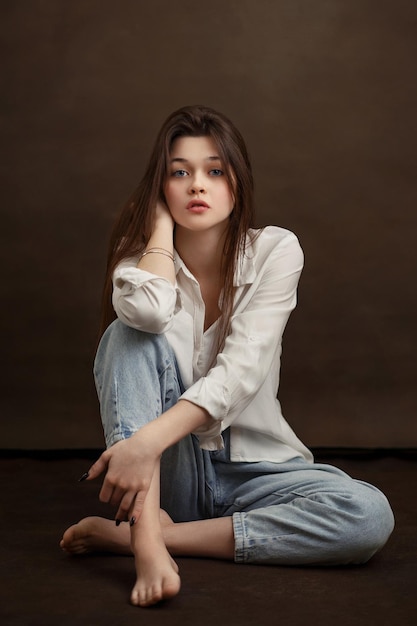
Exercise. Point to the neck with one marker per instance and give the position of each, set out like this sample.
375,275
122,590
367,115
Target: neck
201,252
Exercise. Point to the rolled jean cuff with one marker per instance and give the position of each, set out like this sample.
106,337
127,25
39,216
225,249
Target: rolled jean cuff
239,533
251,549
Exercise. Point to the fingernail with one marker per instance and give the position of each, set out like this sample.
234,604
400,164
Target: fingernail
118,522
132,520
83,477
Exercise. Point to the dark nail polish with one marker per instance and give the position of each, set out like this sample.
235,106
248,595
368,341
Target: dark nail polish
83,477
118,522
132,521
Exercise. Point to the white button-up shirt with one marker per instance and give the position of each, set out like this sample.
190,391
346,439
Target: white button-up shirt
239,388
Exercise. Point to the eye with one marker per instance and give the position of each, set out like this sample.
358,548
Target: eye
216,172
179,173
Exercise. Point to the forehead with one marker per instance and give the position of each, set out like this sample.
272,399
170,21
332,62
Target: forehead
194,148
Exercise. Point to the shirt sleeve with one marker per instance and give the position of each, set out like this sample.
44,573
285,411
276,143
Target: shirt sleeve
251,347
143,300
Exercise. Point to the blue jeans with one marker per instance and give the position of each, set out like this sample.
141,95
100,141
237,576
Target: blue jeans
292,513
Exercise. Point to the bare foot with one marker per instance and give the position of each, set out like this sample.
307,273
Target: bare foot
157,573
96,534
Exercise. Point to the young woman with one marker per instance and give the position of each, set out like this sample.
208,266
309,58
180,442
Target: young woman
199,459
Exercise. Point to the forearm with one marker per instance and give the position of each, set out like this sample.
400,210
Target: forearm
173,425
159,262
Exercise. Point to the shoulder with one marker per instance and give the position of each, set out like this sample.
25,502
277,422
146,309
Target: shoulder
271,236
273,242
270,252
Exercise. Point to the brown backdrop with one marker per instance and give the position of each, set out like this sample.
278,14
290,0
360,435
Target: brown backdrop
325,94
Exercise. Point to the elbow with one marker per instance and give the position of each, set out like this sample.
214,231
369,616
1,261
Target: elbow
149,319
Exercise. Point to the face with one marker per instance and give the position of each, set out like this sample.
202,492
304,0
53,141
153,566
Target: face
197,191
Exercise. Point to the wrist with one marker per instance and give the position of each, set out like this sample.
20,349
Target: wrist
164,219
162,235
149,438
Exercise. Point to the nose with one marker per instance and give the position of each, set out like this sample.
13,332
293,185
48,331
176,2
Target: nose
197,190
197,186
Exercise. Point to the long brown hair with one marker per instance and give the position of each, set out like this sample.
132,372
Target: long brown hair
134,225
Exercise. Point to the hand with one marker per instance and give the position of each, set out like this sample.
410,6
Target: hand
129,467
163,214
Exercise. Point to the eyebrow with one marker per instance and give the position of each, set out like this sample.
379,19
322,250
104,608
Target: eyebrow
182,160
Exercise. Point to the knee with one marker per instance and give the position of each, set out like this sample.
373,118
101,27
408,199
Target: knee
119,334
121,345
371,522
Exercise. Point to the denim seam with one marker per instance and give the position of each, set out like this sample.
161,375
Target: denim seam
239,534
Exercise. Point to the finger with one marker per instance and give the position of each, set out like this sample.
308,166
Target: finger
106,491
97,468
126,504
136,510
117,496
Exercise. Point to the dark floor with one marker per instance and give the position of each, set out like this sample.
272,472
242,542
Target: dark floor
42,586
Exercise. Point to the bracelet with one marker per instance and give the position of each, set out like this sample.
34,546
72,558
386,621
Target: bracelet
159,251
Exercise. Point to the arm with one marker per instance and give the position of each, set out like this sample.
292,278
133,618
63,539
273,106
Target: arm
162,237
130,464
252,350
144,293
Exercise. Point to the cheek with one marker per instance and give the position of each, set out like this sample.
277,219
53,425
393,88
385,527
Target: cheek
229,198
170,194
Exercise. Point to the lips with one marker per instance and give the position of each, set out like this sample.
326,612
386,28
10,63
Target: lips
197,205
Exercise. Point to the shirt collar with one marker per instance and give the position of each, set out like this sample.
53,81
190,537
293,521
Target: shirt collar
245,273
180,265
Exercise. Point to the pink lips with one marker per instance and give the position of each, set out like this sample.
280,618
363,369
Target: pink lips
197,206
